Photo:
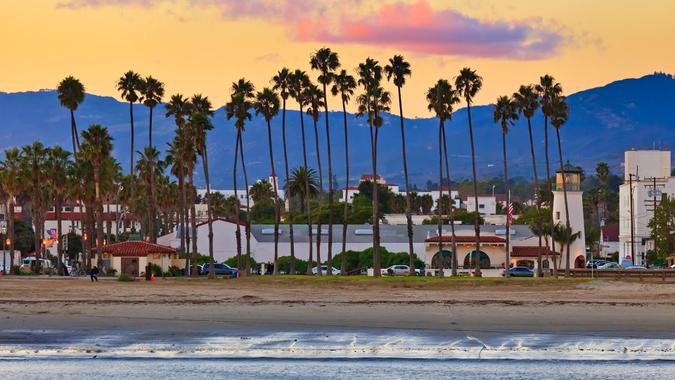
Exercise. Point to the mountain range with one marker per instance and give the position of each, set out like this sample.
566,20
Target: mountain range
604,122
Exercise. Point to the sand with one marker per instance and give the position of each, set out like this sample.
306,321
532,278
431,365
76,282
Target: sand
179,307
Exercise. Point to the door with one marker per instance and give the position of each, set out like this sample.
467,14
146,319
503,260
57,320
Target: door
130,266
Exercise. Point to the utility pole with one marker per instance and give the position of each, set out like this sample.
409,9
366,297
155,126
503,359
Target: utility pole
653,190
632,219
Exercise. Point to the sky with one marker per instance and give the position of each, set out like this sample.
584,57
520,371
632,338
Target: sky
202,46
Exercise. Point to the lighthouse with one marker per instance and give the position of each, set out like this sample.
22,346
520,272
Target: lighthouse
572,177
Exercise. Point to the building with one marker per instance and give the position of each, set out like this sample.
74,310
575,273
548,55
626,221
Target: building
572,178
487,204
131,257
647,178
609,238
359,237
241,193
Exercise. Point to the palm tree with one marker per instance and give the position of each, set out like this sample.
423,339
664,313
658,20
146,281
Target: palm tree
281,83
314,96
129,85
297,185
238,108
562,234
398,69
602,173
344,85
71,95
505,113
527,103
441,98
57,167
298,82
559,115
152,92
262,192
149,165
547,89
96,148
179,108
267,104
33,167
468,83
327,62
12,184
200,124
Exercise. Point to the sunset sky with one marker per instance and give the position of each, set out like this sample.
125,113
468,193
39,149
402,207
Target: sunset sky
201,46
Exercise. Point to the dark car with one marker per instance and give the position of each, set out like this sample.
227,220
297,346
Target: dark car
521,272
221,270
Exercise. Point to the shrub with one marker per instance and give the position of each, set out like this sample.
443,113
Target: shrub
156,270
364,259
174,271
285,265
232,261
124,278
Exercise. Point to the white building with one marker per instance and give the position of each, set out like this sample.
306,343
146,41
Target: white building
642,170
241,193
576,212
487,204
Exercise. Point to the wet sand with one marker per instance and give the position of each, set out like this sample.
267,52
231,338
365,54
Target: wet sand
32,309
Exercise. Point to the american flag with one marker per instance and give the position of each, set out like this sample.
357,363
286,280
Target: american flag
509,213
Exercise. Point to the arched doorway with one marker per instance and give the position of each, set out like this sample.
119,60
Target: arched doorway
469,260
442,260
580,262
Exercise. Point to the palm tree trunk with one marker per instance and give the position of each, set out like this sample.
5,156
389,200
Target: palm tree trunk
477,272
548,171
131,158
377,265
193,218
10,229
276,200
288,194
408,215
59,251
507,258
319,211
99,234
73,134
307,194
567,210
345,210
181,211
209,212
150,129
537,201
330,188
439,207
450,205
237,233
248,207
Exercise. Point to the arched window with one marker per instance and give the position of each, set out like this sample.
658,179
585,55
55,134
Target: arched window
442,260
469,260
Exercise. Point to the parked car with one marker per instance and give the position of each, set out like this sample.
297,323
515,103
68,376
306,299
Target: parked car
27,265
399,270
521,272
610,265
595,264
220,270
636,267
324,270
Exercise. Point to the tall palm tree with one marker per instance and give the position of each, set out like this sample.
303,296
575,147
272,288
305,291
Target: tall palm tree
239,107
281,83
12,184
441,98
314,96
200,124
298,82
96,148
57,167
152,92
71,94
563,235
559,115
468,83
527,103
129,86
267,104
398,69
179,108
299,179
547,89
327,62
505,113
33,168
344,85
372,103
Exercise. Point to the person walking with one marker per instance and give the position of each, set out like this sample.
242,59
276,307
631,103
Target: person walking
94,274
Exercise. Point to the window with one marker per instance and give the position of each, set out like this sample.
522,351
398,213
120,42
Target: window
557,215
481,206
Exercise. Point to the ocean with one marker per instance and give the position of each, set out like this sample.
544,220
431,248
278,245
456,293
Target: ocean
338,354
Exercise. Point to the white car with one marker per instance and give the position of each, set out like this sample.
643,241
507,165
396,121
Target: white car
398,270
324,270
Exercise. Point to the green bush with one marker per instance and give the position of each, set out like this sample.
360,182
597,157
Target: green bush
174,271
364,259
284,263
124,278
156,270
232,261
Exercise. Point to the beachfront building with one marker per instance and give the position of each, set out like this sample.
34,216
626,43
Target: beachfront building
487,204
241,193
647,178
360,237
572,177
131,257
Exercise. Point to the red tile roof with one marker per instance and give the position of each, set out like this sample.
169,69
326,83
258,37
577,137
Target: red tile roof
135,248
467,239
531,251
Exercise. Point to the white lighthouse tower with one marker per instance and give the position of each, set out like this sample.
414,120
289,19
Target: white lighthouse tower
575,204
